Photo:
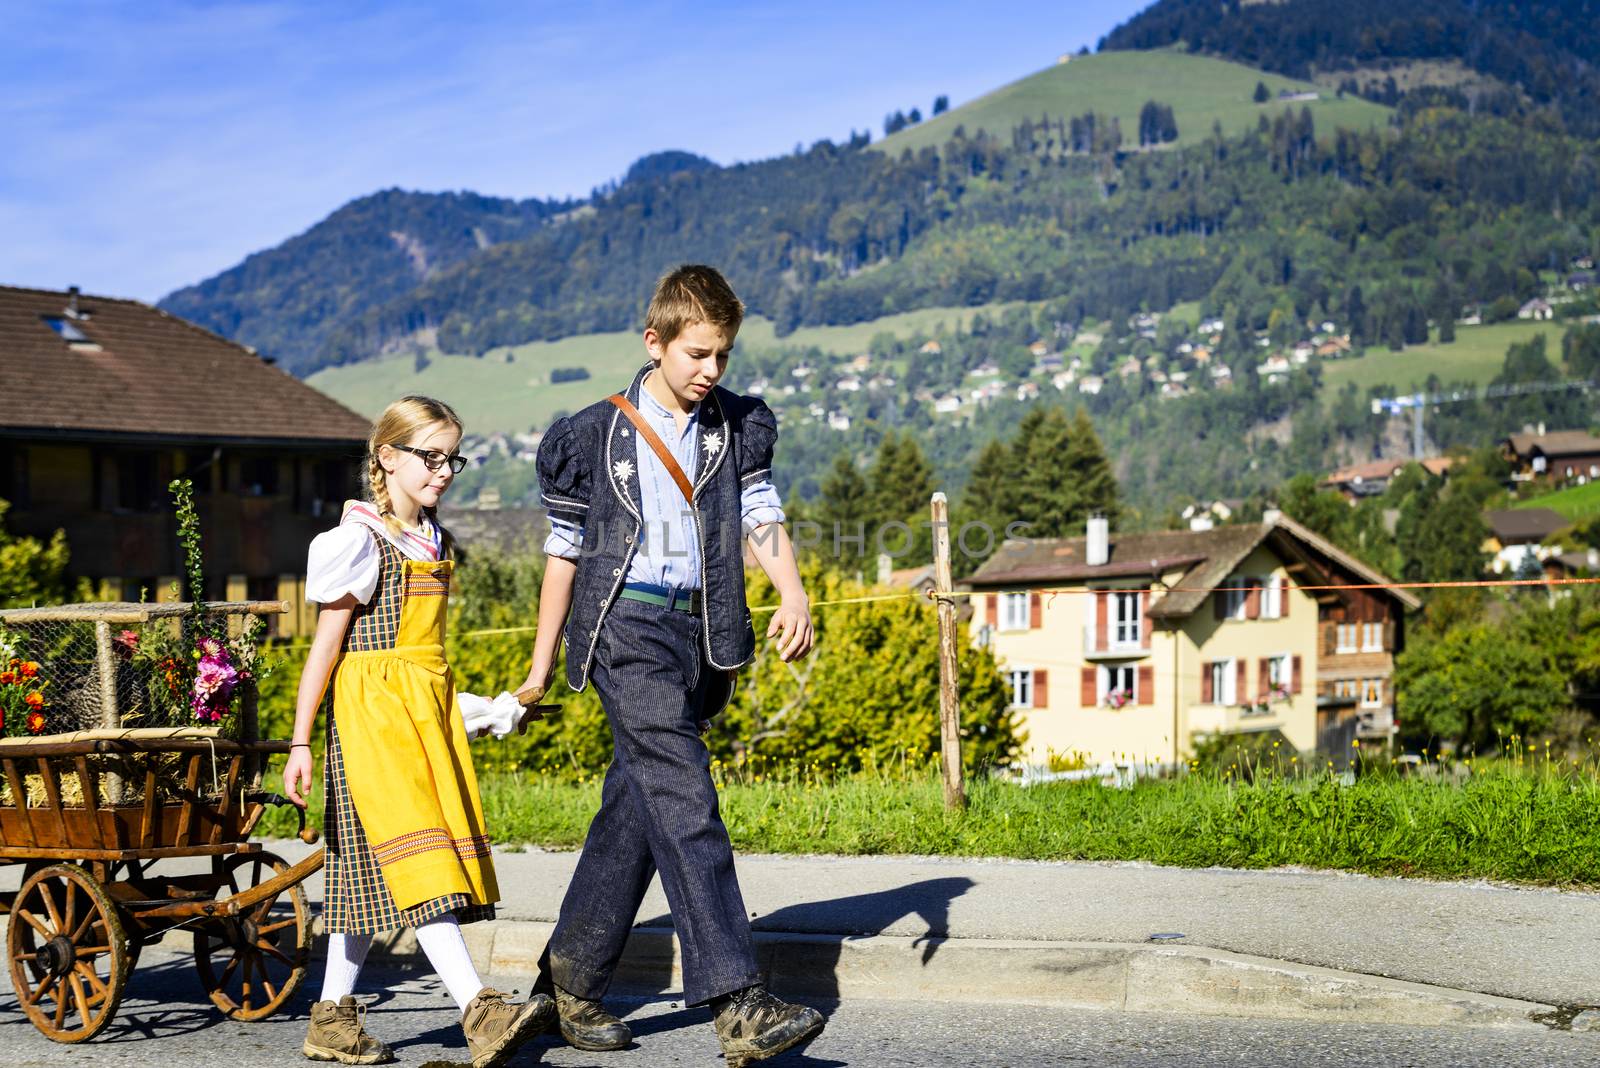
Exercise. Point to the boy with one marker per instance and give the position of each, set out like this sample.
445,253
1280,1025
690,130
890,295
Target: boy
649,557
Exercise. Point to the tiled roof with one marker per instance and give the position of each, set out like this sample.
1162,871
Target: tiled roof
142,372
1556,443
1525,524
1382,469
1206,558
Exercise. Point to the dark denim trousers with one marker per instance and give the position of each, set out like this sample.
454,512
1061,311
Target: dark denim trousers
658,812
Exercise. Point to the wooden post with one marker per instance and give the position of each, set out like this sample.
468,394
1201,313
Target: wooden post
110,716
955,793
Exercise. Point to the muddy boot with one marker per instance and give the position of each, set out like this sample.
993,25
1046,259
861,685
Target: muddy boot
752,1025
338,1033
586,1025
495,1026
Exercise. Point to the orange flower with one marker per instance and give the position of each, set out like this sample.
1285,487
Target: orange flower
30,668
7,678
35,722
34,700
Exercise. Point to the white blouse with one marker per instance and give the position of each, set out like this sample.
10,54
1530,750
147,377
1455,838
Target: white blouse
344,560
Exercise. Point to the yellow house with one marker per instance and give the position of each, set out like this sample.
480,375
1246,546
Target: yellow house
1133,647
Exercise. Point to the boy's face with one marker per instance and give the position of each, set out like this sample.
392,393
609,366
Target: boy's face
691,363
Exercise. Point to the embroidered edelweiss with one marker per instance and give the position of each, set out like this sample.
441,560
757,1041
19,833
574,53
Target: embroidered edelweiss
623,469
711,443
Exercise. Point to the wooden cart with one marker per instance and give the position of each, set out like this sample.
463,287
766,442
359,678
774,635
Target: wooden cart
92,896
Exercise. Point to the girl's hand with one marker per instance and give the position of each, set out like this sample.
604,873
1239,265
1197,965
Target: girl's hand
297,775
791,625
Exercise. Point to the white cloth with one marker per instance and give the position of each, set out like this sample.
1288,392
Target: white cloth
345,560
346,954
499,716
446,950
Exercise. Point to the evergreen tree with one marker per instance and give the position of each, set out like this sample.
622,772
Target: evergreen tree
1261,95
844,505
941,104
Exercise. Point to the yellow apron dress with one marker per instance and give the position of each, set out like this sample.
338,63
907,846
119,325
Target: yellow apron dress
406,837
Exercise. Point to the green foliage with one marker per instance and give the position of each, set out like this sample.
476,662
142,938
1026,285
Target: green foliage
1475,686
32,572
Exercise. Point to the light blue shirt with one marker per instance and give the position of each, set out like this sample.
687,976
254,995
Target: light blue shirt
669,554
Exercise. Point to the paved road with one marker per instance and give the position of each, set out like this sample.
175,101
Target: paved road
166,1021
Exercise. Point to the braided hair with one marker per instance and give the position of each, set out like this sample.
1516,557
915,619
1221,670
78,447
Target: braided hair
398,423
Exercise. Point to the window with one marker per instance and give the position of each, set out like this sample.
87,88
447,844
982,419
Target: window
67,331
258,476
1236,597
14,475
984,636
1372,637
1345,638
1022,689
1371,693
1272,598
1127,626
1117,679
136,482
1279,673
1224,682
1014,611
1350,688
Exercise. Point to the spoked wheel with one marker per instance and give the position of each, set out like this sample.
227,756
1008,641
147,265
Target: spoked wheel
69,959
252,963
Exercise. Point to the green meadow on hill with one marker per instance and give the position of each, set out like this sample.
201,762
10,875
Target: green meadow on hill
1201,91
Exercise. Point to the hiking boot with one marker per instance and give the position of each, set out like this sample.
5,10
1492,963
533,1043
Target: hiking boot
752,1025
586,1025
495,1026
338,1033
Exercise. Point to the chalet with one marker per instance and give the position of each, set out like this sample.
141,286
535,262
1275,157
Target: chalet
931,348
1537,308
1517,536
1275,368
1138,645
1091,384
1558,457
1204,515
107,401
1372,478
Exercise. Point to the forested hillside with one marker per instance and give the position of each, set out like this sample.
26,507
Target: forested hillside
286,300
1545,49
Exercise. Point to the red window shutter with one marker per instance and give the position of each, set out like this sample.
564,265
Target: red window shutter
1263,677
1147,684
1041,691
1207,696
1284,586
1329,635
1252,600
1035,611
993,610
1242,688
1388,636
1145,624
1296,678
1101,612
1087,696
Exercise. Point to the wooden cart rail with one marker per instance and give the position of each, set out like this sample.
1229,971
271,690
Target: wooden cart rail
136,612
186,822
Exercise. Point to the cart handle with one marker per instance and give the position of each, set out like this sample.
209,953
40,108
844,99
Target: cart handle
308,835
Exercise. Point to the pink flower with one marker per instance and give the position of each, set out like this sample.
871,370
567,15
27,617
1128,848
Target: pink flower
210,647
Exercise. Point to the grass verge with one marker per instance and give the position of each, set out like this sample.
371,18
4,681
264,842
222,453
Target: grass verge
1530,822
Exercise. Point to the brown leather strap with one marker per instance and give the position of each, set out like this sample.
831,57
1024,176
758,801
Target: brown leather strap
648,433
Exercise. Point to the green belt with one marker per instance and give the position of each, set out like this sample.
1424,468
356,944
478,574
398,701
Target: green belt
680,600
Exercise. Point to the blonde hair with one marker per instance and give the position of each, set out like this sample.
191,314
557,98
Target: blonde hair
399,421
693,293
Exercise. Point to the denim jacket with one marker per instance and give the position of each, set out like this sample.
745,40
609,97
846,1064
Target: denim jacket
587,477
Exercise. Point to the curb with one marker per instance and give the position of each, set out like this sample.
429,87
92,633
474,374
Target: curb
1116,976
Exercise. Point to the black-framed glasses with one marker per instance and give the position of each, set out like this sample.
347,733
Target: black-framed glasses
433,459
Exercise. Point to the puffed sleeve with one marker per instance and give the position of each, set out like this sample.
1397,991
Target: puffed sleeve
563,475
758,434
342,560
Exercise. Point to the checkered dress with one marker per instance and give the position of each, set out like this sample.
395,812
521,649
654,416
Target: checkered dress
356,900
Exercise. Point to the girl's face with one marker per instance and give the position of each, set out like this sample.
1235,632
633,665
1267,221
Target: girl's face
408,474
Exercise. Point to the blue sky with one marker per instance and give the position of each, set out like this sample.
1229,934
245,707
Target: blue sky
145,146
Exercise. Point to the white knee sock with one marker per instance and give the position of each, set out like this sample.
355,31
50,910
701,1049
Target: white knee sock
346,952
447,951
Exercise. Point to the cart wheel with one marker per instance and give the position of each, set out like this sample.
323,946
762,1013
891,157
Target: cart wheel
251,964
69,959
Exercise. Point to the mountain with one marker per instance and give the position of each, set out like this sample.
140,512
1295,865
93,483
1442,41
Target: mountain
1202,91
287,300
1543,50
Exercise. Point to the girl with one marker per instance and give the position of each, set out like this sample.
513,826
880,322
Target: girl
406,841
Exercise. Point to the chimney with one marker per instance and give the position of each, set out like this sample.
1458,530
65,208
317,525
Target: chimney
1098,550
1541,428
1271,516
885,568
72,304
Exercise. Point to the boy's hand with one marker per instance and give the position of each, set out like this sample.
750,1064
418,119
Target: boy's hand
537,683
791,626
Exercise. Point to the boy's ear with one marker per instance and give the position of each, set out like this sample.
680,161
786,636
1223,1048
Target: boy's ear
653,345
